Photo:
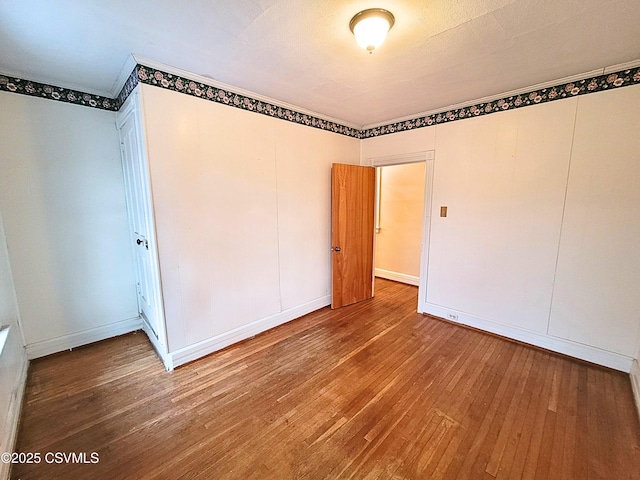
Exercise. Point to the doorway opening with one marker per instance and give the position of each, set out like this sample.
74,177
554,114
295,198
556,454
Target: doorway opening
353,214
403,219
398,222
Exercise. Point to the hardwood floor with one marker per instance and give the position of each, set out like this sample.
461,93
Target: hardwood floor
369,391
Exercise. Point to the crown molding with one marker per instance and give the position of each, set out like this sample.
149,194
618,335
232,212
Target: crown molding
621,66
600,79
145,62
575,85
45,80
32,88
512,93
123,76
491,98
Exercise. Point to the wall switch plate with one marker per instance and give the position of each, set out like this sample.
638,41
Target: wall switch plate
443,211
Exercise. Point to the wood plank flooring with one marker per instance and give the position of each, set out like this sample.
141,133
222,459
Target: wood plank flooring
370,391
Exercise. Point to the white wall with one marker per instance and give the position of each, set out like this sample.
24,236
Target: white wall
511,257
503,179
399,241
13,360
248,197
596,298
419,140
242,205
62,199
303,162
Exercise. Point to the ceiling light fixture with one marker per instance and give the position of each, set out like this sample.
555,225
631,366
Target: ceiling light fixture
370,27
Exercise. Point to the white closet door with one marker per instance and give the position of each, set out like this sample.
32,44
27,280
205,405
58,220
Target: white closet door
140,220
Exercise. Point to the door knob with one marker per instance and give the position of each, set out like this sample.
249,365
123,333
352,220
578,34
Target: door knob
337,249
139,242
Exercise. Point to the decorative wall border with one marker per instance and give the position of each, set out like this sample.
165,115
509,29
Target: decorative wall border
180,84
565,90
158,78
127,88
51,92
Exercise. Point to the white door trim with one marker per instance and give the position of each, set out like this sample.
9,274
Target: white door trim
427,156
426,233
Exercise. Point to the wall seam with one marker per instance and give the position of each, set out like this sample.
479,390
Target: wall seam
564,208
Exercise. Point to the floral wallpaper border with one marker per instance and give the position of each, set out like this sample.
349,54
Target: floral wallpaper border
152,76
43,90
570,89
127,88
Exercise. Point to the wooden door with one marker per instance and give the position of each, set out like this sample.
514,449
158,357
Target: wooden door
352,219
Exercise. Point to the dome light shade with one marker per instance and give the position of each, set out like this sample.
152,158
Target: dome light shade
370,27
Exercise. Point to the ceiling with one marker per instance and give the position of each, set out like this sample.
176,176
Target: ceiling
439,52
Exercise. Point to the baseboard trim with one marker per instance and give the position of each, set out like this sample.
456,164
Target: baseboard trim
73,340
595,355
397,277
634,374
13,417
218,342
161,351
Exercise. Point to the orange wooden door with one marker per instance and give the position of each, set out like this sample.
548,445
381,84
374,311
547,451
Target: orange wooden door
352,217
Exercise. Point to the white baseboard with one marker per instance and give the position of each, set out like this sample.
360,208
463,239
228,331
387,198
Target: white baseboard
73,340
10,434
635,383
548,342
205,347
397,277
161,351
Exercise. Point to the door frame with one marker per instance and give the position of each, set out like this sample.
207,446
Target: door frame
132,107
428,157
